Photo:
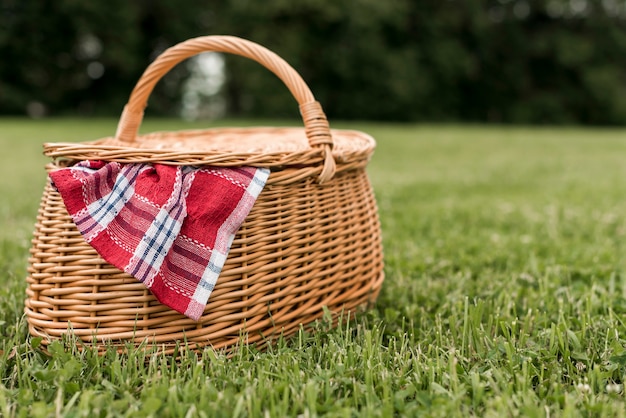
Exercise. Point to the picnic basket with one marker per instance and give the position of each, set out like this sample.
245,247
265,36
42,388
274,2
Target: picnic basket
310,243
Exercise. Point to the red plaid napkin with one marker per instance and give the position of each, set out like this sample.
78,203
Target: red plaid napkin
170,227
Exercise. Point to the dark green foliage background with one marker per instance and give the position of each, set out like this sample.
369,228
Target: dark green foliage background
507,61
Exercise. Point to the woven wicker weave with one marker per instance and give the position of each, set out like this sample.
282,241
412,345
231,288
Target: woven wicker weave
312,239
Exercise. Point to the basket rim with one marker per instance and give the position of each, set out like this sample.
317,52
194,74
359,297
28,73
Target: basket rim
350,146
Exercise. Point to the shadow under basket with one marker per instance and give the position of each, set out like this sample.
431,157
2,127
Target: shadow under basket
311,241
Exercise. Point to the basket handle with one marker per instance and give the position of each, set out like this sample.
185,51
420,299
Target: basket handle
316,126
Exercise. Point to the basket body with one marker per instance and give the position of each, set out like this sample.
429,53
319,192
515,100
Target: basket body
311,241
303,247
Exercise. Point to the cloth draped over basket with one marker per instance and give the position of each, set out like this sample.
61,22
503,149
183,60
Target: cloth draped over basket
168,226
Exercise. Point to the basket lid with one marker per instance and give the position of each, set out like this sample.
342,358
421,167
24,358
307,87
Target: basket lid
314,144
260,146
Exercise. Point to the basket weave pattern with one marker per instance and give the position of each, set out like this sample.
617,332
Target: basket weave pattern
304,246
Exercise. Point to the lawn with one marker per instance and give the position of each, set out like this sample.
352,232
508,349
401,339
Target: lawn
505,292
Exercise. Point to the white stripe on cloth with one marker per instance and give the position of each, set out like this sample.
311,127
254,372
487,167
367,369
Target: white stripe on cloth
160,236
104,210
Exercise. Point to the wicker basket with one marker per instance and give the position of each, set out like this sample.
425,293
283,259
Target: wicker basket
312,239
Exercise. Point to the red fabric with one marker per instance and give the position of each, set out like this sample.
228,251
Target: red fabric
170,227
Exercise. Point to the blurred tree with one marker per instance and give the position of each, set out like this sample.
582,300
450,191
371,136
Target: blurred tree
509,61
523,61
553,62
78,56
355,56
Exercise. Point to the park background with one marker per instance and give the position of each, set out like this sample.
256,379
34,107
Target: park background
502,215
502,61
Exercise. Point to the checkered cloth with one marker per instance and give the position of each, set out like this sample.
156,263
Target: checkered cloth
170,227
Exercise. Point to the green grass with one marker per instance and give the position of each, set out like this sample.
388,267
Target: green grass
505,292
